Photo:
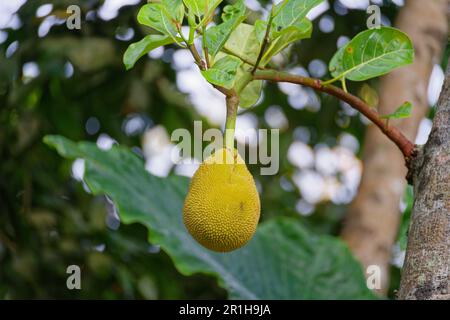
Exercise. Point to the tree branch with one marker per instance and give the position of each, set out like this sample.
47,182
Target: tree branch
265,42
403,143
426,271
202,66
371,224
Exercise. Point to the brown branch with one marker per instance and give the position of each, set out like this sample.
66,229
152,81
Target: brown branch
371,224
202,66
264,44
197,58
403,143
234,54
425,274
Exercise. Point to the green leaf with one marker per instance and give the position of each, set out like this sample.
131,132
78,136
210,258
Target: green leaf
260,30
243,43
156,16
282,261
372,53
175,9
249,91
212,5
298,31
202,7
138,49
216,36
290,13
223,72
404,111
198,7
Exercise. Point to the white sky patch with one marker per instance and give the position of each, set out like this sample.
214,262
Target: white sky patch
326,24
342,41
326,162
47,24
125,34
30,70
156,53
160,164
311,185
298,96
318,10
110,8
68,69
275,117
424,131
182,59
300,155
12,48
355,4
349,142
78,167
253,5
399,3
304,208
325,173
435,84
134,124
207,101
246,129
3,36
157,150
186,169
105,142
8,18
302,134
44,10
317,68
398,256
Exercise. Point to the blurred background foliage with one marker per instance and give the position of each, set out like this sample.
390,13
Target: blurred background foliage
72,83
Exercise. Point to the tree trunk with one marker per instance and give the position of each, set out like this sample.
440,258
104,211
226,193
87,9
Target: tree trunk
426,274
371,226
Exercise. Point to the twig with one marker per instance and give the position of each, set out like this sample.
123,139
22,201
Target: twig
403,143
197,58
265,42
242,58
202,66
205,47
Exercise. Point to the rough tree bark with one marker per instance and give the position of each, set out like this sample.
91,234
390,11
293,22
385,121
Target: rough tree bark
426,273
371,225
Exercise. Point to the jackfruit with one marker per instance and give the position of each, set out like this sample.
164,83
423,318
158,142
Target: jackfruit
222,208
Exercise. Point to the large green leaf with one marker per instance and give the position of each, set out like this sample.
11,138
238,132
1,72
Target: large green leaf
223,72
243,43
290,13
198,7
157,16
372,53
202,7
138,49
216,36
282,261
175,9
251,93
249,90
300,30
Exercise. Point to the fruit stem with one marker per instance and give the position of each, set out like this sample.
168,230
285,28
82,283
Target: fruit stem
230,125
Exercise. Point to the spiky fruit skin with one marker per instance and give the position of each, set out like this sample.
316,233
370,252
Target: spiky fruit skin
222,208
